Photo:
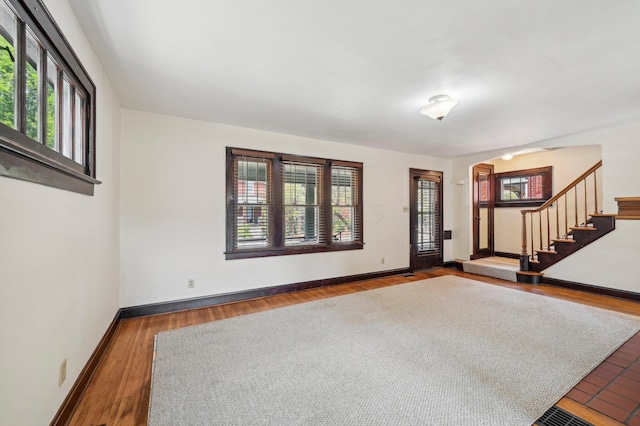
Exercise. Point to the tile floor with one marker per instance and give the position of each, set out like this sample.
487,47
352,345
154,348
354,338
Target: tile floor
613,388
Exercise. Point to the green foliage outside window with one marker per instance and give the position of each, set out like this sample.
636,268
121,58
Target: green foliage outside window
7,83
32,102
7,96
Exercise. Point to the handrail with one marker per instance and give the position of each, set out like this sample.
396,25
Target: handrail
567,189
544,239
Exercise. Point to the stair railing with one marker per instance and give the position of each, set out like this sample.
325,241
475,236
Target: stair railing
576,202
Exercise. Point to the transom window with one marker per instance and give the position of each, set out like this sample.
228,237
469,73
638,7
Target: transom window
286,204
46,102
523,188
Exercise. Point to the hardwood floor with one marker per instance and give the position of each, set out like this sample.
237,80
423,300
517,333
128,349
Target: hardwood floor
118,394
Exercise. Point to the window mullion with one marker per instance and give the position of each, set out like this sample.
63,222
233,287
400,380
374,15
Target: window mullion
72,118
59,109
277,219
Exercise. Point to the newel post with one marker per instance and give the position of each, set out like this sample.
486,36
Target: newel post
524,257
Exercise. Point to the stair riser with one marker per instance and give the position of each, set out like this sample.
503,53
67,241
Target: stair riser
603,226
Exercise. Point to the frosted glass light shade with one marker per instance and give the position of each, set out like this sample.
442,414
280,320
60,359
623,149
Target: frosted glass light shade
439,106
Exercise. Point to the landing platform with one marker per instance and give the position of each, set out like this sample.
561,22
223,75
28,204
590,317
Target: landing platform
497,267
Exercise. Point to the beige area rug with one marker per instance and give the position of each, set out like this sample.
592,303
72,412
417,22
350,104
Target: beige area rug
442,351
497,267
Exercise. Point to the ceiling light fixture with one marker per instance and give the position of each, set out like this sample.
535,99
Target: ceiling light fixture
507,157
439,106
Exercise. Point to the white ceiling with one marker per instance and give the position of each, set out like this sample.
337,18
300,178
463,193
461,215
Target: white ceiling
359,71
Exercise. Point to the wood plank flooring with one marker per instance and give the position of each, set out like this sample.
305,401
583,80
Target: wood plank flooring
118,394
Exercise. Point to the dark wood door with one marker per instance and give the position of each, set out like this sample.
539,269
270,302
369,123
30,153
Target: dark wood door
483,203
426,219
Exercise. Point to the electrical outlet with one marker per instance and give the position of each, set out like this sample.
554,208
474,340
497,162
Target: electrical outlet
63,372
191,283
382,260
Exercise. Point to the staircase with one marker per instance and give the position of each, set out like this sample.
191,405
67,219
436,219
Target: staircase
577,238
567,222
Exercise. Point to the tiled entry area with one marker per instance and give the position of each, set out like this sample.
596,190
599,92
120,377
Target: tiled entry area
613,388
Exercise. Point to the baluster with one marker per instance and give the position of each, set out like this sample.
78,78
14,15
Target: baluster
548,230
585,201
557,220
595,190
524,235
540,223
575,203
533,252
566,218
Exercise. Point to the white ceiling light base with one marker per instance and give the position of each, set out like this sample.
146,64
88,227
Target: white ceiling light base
439,106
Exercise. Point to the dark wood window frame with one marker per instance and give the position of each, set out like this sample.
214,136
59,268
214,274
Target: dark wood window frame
276,221
547,187
27,159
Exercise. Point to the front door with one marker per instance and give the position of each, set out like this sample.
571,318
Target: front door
425,219
483,201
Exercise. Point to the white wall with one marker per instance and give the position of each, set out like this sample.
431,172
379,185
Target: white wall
568,163
620,174
58,265
615,255
173,210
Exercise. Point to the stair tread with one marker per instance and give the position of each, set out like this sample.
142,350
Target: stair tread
547,251
563,240
532,273
602,215
583,228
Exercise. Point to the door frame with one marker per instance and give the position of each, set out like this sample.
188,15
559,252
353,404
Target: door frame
475,211
417,260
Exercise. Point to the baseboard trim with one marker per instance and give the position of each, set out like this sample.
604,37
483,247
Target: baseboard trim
66,410
588,288
508,255
450,264
202,302
528,277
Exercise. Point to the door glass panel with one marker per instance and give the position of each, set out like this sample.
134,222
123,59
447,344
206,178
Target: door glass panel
425,219
428,206
483,211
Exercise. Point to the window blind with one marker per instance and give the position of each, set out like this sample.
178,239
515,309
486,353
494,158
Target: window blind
346,226
428,215
253,194
304,218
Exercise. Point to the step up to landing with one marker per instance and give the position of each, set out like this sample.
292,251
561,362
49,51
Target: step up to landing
496,267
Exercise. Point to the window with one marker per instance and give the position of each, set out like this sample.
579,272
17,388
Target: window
47,102
523,188
281,204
